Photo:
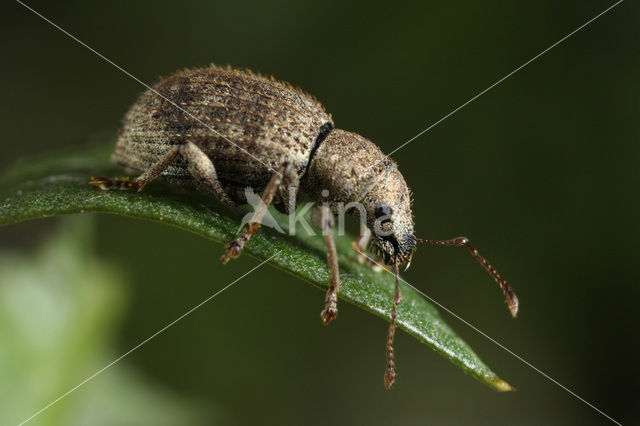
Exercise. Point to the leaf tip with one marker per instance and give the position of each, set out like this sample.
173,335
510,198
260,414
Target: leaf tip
502,386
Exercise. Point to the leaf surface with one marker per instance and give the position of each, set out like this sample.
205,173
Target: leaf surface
58,185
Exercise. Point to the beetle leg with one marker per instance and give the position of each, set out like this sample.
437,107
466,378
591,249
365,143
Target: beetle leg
286,176
139,182
360,245
322,218
154,171
390,372
201,168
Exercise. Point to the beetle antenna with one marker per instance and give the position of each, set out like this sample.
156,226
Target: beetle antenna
510,296
390,373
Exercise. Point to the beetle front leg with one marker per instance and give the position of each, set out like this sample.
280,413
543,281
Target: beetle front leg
322,218
285,177
360,245
138,183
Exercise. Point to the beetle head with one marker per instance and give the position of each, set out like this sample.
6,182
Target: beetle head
350,168
389,217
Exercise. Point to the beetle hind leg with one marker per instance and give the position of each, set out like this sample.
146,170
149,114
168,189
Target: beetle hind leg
198,164
139,182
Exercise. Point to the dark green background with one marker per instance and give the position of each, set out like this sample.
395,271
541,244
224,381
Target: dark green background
540,172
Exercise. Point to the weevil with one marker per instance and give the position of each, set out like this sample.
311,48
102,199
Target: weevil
225,130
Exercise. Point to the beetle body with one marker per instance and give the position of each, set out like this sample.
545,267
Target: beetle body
226,130
262,123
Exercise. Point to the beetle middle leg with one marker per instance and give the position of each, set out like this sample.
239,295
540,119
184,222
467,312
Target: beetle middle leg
322,218
285,177
201,168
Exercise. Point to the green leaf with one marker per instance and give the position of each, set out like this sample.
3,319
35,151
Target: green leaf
58,185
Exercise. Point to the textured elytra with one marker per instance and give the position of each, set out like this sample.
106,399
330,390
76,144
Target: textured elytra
267,121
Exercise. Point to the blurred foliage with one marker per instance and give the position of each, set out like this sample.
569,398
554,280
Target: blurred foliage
59,310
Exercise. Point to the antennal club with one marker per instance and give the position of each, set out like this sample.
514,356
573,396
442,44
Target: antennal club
511,299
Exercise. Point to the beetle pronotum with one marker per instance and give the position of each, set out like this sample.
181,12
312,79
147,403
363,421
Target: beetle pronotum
225,130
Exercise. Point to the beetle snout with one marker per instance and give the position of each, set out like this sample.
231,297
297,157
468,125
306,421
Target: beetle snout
405,247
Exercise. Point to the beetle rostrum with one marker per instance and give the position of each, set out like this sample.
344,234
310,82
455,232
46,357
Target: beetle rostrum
225,130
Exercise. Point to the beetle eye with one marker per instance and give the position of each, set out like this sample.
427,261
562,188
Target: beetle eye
383,210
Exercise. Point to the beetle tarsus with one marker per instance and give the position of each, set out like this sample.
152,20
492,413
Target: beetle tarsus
139,182
330,312
234,248
108,184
